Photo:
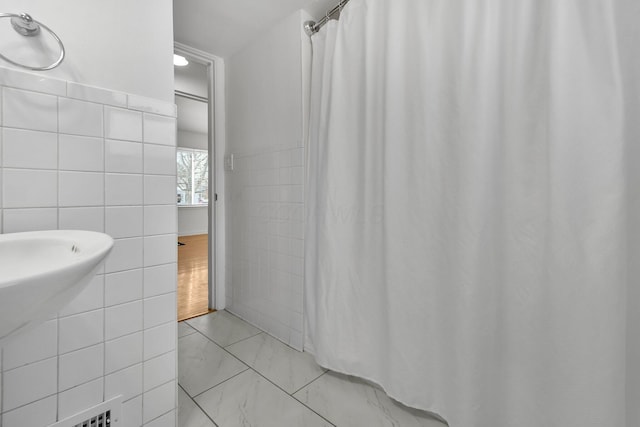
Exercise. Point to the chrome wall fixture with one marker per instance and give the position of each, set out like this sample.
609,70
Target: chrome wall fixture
312,27
26,26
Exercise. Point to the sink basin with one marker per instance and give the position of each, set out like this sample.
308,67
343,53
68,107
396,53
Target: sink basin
42,271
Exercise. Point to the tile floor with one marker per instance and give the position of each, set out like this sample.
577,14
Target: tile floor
233,374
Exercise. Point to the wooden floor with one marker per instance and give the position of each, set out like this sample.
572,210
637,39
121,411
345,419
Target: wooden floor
193,292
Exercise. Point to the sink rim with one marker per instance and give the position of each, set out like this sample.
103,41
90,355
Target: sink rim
98,243
37,287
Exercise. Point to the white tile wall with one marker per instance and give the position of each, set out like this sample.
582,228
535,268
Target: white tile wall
16,220
268,242
121,189
80,189
79,398
29,110
29,188
124,221
76,157
158,401
91,219
123,124
80,366
29,149
81,153
79,117
123,156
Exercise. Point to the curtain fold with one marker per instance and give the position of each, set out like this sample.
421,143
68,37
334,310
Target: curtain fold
468,208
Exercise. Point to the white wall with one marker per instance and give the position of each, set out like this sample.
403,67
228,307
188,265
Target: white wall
122,45
119,336
264,90
74,157
265,132
192,220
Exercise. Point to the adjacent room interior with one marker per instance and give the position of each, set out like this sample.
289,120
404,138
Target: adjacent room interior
192,170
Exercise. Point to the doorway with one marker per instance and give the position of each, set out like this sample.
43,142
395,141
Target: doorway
195,183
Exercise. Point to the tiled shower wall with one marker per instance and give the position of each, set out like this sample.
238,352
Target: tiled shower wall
266,111
78,157
267,208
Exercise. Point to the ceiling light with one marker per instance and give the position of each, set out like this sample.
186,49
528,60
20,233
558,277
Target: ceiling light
179,61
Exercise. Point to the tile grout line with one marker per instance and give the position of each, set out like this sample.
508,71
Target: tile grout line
197,405
220,383
262,376
280,388
309,383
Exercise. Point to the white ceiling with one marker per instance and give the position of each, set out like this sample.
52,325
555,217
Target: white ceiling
222,27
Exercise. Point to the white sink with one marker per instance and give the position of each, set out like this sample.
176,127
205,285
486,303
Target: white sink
42,271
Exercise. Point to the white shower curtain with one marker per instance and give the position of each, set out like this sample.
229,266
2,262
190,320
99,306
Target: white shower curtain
468,213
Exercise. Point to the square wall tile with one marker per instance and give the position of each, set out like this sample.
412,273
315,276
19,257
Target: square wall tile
80,117
29,188
123,319
159,159
160,249
17,220
158,401
79,367
159,310
159,340
80,398
91,298
159,370
40,413
160,279
132,413
91,219
159,129
160,190
123,287
123,352
81,189
81,330
31,346
81,153
28,110
125,255
123,156
123,190
29,383
125,221
122,124
29,149
160,219
127,382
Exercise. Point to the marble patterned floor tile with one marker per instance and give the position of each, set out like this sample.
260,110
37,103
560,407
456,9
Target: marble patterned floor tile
350,402
189,415
223,328
284,366
184,329
202,364
249,400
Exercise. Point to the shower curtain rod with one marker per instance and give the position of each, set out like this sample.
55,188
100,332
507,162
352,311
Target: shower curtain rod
312,27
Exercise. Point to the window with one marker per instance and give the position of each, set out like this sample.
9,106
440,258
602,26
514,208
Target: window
193,177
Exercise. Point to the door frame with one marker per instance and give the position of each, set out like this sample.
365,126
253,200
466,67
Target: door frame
216,147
